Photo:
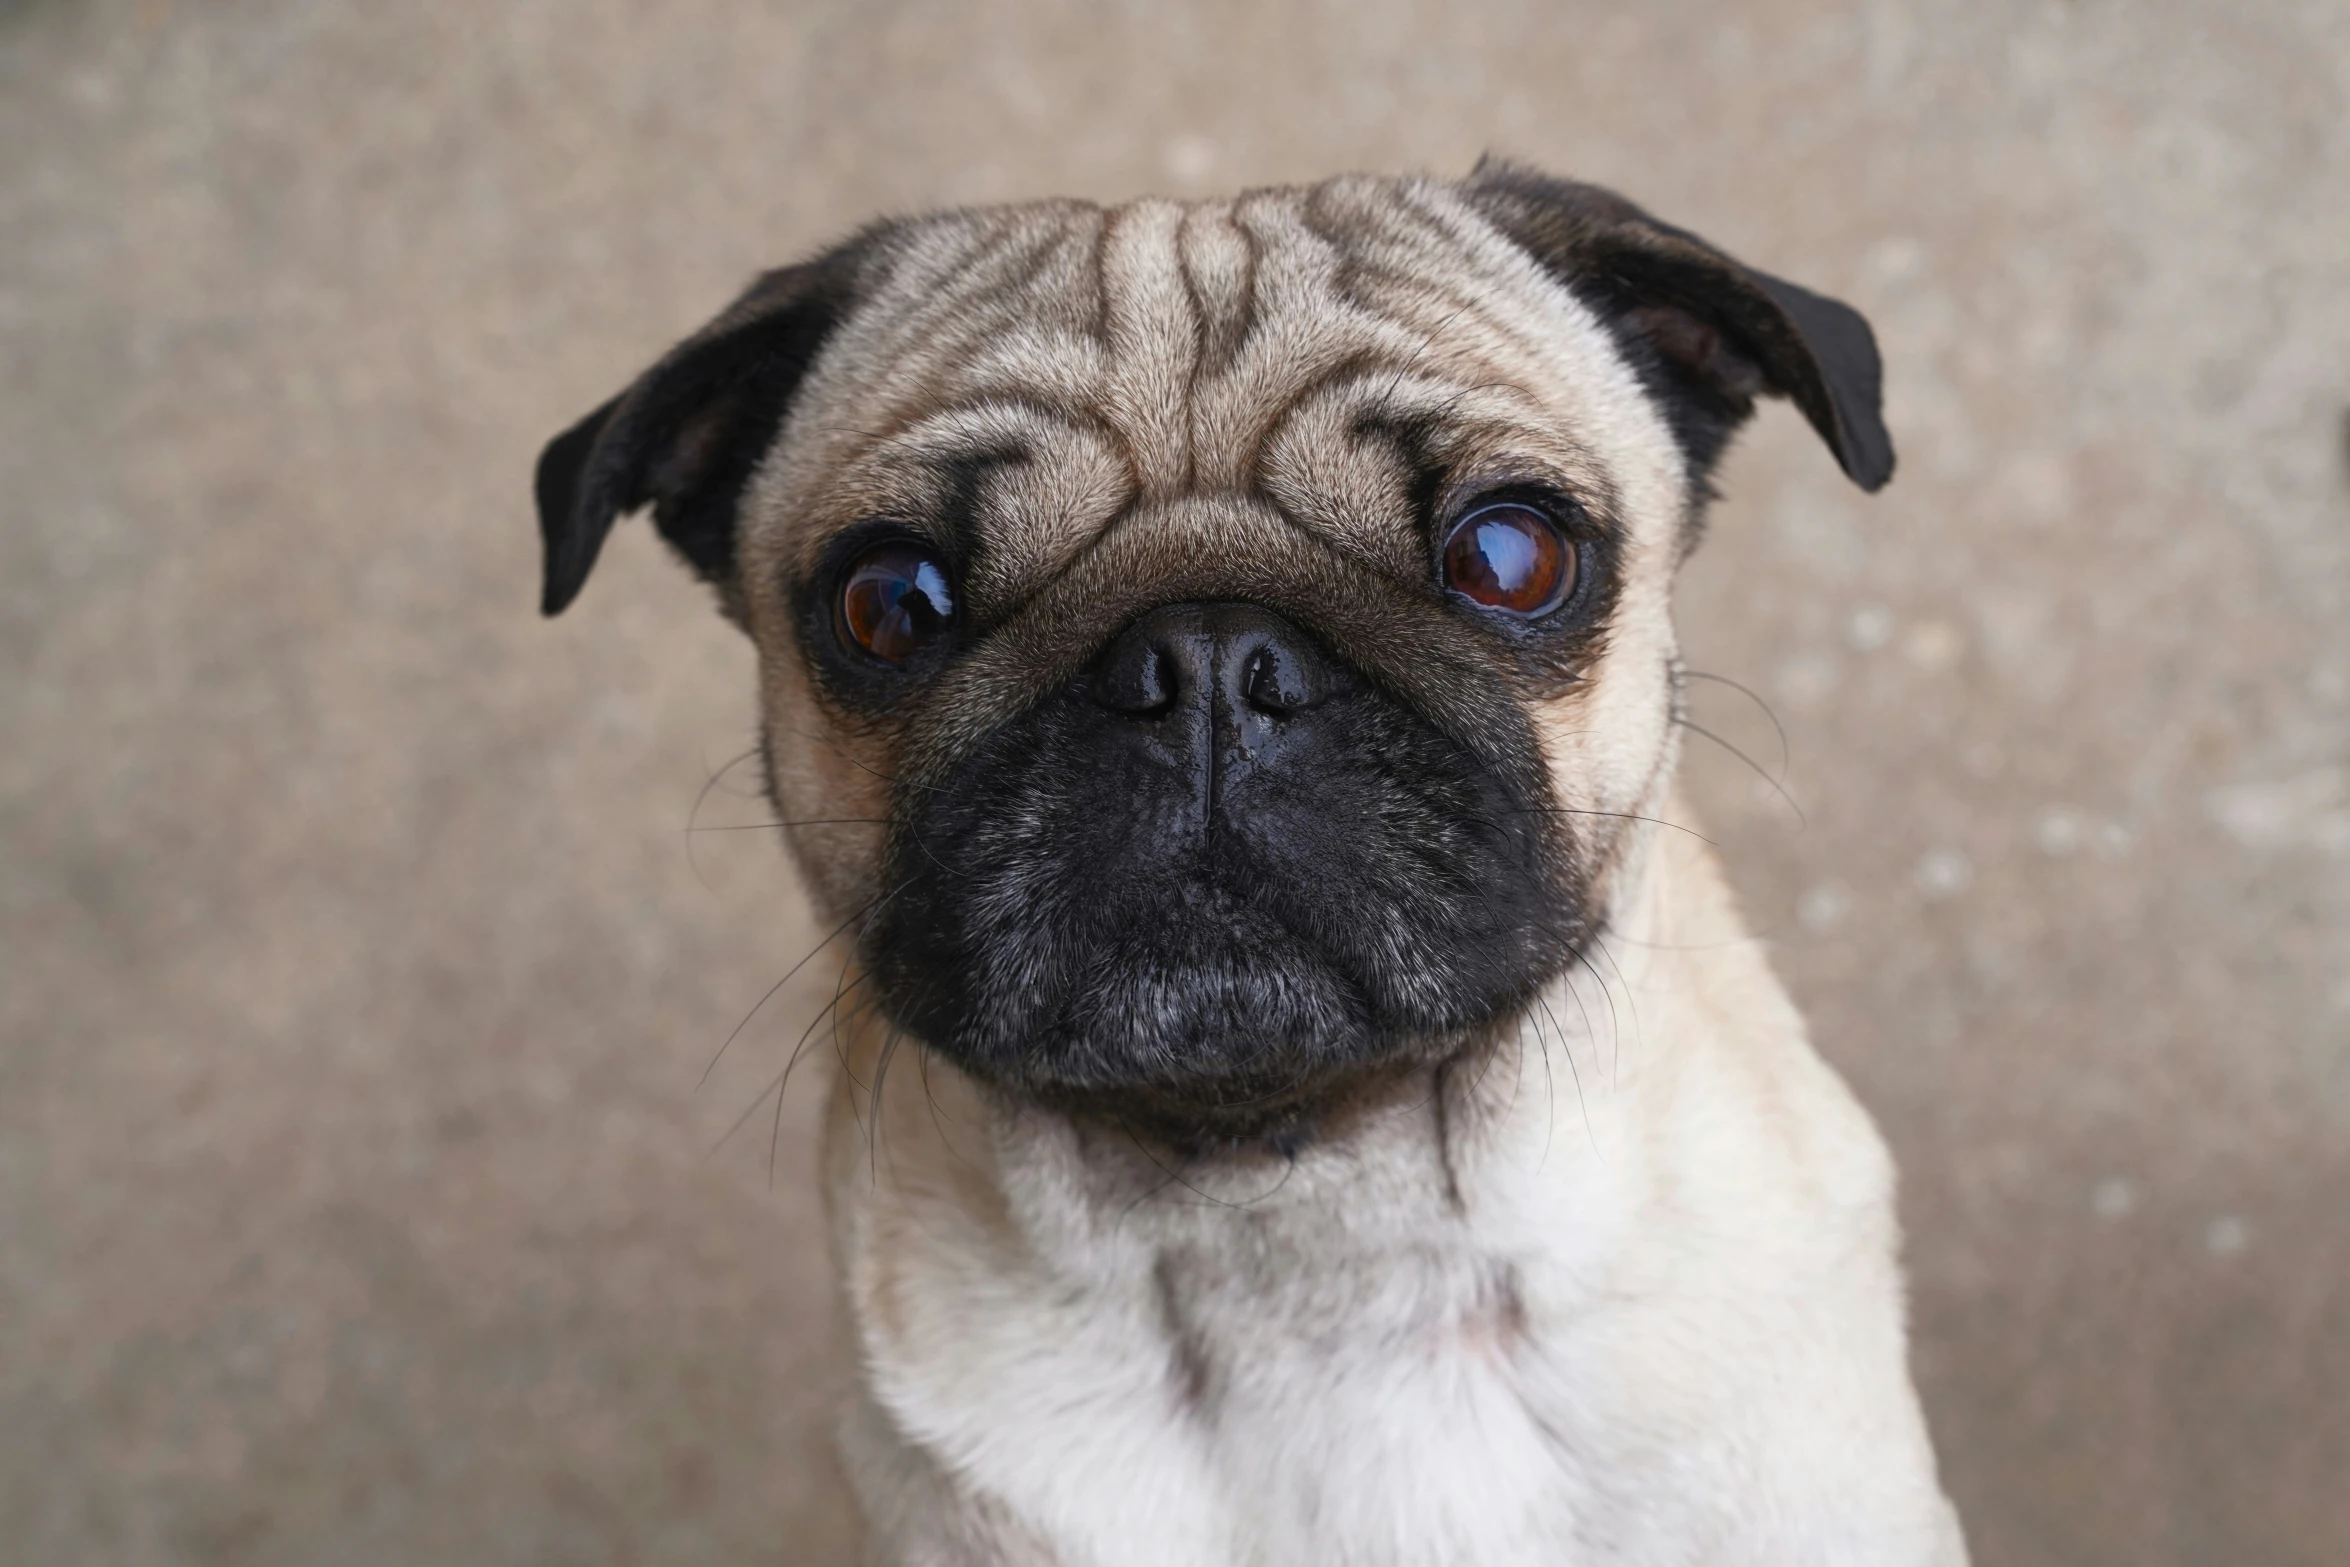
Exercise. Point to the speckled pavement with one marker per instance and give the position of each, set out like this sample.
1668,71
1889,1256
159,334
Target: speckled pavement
357,1202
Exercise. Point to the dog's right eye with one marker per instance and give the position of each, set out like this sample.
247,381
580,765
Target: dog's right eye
1510,557
894,601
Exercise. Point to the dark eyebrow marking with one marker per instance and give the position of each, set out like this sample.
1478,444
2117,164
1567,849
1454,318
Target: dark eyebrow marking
1336,236
1200,330
964,475
1354,366
1253,248
1039,259
1412,438
1077,416
1101,276
1219,336
965,465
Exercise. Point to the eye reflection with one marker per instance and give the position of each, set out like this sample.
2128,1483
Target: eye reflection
894,601
1510,557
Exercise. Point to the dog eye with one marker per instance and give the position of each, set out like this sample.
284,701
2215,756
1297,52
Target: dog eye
894,600
1509,557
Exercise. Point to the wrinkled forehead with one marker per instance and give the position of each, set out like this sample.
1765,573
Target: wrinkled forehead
1339,359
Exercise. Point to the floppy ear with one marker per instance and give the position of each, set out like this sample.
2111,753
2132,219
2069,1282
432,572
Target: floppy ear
687,434
1708,332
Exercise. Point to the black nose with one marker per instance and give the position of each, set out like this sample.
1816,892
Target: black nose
1197,658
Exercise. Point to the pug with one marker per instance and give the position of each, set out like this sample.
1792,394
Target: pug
1306,1093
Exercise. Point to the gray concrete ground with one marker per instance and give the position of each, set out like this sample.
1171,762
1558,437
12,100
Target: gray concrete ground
356,1201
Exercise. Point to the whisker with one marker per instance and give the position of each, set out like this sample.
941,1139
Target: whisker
1615,1066
715,779
1477,1087
1208,1197
930,854
840,988
694,815
1761,933
1567,1049
1801,820
873,1123
1629,816
930,1099
1748,692
775,1085
833,746
1550,1101
840,1049
779,984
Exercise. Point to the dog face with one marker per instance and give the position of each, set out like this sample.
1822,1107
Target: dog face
1213,653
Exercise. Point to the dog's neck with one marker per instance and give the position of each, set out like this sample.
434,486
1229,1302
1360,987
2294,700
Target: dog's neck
1457,1176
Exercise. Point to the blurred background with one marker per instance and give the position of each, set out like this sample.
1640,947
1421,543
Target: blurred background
357,1201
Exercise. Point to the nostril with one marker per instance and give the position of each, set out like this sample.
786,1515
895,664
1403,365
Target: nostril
1141,684
1274,683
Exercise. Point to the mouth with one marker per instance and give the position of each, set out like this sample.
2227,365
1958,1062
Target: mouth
1215,879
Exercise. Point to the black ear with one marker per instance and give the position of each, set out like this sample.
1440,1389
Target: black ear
1709,332
686,436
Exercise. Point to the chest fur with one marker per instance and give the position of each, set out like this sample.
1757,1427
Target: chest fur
1202,1409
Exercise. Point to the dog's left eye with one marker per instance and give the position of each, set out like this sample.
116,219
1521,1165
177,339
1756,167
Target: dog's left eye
1510,557
894,601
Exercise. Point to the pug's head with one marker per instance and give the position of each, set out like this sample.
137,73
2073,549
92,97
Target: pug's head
1220,650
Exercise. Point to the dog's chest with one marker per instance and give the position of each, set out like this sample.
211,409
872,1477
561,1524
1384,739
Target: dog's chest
1230,1399
1383,1410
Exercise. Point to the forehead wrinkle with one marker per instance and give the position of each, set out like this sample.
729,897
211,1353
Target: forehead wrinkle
948,297
1407,393
1296,328
899,472
1186,271
1004,368
1491,415
1220,257
1168,295
1047,375
1309,337
863,460
1301,317
988,412
1151,339
938,298
1379,321
1468,336
1034,518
